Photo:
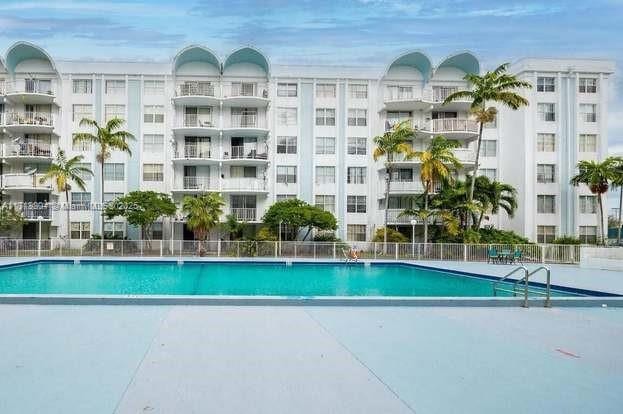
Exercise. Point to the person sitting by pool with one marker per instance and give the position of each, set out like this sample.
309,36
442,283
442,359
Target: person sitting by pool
352,254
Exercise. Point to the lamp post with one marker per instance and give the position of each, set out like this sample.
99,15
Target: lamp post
40,220
413,223
280,222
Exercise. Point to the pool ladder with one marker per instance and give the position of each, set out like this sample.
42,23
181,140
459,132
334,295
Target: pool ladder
523,282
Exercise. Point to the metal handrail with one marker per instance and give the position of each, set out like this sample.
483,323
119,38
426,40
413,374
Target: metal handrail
526,287
547,283
512,272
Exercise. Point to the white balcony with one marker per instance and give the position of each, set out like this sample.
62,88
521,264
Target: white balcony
395,216
244,214
194,185
247,125
196,93
34,213
404,187
24,182
195,154
251,94
246,154
30,91
29,122
193,124
413,97
244,185
452,128
35,151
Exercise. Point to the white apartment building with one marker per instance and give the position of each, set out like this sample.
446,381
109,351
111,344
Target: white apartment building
258,133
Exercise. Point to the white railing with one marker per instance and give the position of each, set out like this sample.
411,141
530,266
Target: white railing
395,216
453,125
258,152
389,123
402,93
39,86
28,149
527,253
196,121
21,180
465,155
196,183
30,118
244,214
245,121
197,88
33,213
2,87
244,184
194,151
414,186
245,89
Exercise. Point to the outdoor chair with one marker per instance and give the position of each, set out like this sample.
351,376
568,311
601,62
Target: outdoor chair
492,256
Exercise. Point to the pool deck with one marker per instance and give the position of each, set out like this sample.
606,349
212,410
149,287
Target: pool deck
298,359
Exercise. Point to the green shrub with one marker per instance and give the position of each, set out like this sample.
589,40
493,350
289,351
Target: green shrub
393,236
567,240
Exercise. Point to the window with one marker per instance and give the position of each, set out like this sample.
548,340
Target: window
286,116
488,148
241,171
356,232
325,116
546,204
114,111
153,114
80,145
356,175
546,142
80,201
286,145
588,204
80,230
108,197
82,111
286,174
588,143
545,84
287,89
326,202
153,87
281,197
325,90
153,172
153,143
545,173
357,117
325,145
490,173
114,229
356,204
546,112
398,92
325,175
357,145
588,112
588,234
588,85
84,86
402,175
113,171
358,91
115,87
85,176
545,234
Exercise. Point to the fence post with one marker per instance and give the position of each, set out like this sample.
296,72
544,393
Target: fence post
374,246
237,249
218,248
161,241
441,252
102,247
314,250
334,256
464,252
295,250
39,247
141,242
16,248
276,248
396,251
542,253
181,247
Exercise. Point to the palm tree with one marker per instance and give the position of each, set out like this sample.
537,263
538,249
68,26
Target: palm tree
597,175
202,214
392,143
493,87
618,182
109,138
493,196
64,172
437,164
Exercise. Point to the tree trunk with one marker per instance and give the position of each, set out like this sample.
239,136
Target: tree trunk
601,219
102,197
426,217
477,159
619,224
388,180
68,223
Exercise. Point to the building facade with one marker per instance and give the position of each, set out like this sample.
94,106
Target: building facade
258,133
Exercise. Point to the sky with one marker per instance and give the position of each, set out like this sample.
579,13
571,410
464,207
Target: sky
370,32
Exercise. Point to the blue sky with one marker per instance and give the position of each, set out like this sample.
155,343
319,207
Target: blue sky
326,31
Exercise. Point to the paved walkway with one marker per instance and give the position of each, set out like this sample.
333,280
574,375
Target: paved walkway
151,359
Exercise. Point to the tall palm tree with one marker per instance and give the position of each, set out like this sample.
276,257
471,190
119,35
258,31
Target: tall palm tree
202,214
109,137
597,176
618,182
493,197
389,145
64,172
437,164
496,86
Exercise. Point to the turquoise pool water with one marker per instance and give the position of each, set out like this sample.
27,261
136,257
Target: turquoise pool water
241,279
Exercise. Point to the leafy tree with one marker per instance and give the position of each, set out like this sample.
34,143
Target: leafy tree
389,145
597,175
202,214
142,209
389,235
10,217
63,172
108,138
295,215
493,87
265,234
233,227
493,196
617,181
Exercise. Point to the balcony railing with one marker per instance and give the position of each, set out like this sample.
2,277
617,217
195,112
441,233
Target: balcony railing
195,151
244,214
465,155
402,93
28,149
245,121
453,125
20,180
39,86
414,186
196,183
244,89
33,213
196,121
247,152
394,217
2,87
30,118
244,184
196,89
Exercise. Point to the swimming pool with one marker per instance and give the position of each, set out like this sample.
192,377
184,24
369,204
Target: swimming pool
242,279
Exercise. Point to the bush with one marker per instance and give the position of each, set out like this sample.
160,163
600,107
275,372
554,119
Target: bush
495,236
566,240
326,237
265,234
393,236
